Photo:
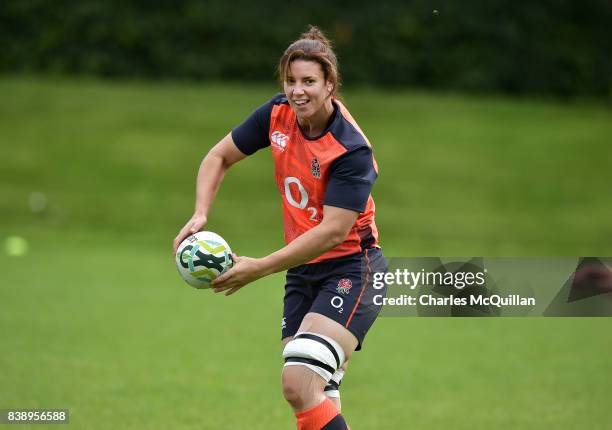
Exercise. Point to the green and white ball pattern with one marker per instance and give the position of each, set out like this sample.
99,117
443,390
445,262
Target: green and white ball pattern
202,257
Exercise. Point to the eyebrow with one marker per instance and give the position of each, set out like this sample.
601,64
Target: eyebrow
305,77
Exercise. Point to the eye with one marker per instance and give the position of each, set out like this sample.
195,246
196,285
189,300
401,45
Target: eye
310,81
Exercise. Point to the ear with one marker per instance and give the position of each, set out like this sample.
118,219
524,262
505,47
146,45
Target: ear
330,87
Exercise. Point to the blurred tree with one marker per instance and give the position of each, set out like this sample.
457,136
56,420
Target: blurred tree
561,47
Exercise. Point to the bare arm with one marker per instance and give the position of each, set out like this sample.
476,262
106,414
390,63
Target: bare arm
210,175
331,232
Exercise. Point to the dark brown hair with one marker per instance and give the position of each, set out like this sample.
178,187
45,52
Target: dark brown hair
312,46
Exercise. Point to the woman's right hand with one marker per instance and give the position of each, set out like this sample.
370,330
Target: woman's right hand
195,224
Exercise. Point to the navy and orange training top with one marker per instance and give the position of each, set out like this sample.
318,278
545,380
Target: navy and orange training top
336,168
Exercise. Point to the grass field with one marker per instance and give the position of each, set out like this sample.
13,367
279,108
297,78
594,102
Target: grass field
95,318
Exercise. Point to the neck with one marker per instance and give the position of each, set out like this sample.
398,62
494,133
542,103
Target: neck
314,125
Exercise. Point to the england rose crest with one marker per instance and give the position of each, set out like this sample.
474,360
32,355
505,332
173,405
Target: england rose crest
315,168
344,286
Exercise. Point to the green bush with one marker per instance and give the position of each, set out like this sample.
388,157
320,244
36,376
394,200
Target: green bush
548,47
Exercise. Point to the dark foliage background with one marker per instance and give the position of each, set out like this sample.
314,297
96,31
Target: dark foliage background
559,47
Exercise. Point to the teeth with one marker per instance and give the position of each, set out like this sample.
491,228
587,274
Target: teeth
301,102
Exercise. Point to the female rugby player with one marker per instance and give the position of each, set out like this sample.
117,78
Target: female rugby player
325,170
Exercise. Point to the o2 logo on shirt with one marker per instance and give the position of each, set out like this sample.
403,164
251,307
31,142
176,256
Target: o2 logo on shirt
279,140
303,197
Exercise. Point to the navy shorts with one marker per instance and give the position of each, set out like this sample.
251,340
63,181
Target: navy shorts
341,289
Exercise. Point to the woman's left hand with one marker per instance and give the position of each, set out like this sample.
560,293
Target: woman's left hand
244,271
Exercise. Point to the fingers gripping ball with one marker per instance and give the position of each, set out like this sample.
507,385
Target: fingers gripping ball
202,257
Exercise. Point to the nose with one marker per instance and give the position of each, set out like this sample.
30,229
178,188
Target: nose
298,89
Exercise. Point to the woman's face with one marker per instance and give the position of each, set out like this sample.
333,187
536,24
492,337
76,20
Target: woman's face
306,88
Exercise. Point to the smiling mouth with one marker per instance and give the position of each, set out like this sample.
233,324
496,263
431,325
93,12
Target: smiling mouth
301,102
